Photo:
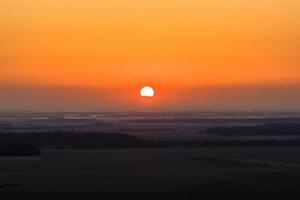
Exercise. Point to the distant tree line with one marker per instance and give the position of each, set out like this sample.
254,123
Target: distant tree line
72,139
267,129
225,143
216,120
29,143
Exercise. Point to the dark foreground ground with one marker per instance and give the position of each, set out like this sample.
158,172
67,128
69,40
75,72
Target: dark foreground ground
197,173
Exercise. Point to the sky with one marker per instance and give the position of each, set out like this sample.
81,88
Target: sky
75,55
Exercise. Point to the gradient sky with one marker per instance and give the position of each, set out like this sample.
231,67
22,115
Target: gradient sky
94,55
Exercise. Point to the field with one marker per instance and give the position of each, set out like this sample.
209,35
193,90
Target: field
264,171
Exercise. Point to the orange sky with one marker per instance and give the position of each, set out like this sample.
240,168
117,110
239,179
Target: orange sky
173,45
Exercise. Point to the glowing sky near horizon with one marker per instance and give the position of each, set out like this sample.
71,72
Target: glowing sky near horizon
172,45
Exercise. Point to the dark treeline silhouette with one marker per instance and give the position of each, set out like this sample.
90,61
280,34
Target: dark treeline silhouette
26,142
218,120
72,139
267,129
227,143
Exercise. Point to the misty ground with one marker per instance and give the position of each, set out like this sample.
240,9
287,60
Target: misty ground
196,172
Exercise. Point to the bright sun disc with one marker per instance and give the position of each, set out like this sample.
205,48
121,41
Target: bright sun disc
147,91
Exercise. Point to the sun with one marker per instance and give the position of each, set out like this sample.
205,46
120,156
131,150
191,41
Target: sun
147,91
